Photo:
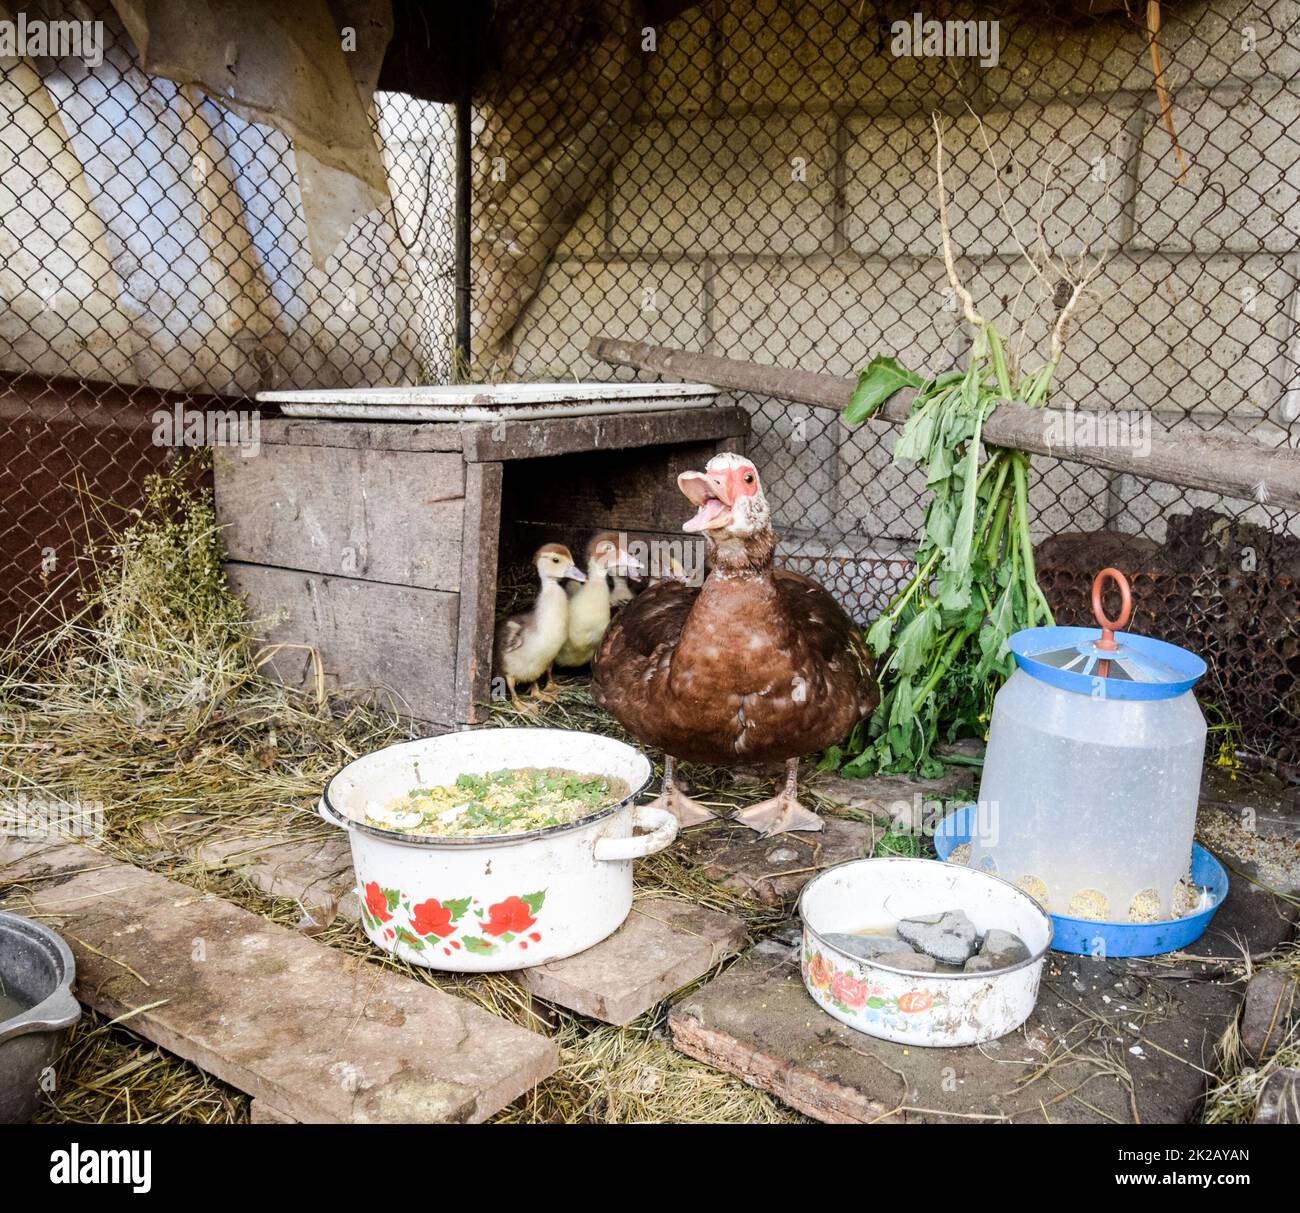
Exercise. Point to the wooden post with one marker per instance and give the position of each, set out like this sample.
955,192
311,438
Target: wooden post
1234,467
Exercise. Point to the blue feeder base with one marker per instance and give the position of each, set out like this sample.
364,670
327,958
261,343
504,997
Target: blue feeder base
1086,937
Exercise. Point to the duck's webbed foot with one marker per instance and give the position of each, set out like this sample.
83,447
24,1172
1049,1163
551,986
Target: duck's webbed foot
687,811
782,812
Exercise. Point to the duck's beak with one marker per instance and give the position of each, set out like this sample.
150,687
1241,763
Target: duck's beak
573,573
710,495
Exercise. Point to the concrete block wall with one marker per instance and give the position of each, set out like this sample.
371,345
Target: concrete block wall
776,203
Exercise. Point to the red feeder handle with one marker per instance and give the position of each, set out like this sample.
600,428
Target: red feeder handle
1110,626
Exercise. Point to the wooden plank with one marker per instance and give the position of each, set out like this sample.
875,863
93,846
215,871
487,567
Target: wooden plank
489,442
379,515
363,435
1235,467
480,542
663,946
397,641
262,1113
619,490
315,871
774,870
321,1036
508,440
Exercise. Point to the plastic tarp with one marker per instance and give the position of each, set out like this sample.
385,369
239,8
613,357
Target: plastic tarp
149,235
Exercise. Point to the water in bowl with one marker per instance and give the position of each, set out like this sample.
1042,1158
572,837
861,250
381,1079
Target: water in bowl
11,1006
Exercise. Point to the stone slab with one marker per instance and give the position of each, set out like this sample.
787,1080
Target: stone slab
323,1037
262,1113
904,802
663,945
1279,1101
1271,1010
1142,1036
1262,803
315,872
775,870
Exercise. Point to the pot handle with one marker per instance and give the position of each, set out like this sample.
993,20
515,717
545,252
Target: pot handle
56,1013
663,829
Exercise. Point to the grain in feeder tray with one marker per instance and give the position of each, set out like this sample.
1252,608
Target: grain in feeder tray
1091,904
1036,888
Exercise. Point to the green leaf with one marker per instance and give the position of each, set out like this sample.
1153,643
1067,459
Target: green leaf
392,896
877,382
916,437
457,906
480,947
900,712
534,900
410,940
879,633
999,362
913,644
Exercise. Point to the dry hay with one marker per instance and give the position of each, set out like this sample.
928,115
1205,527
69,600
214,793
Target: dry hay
1233,1097
108,1076
149,700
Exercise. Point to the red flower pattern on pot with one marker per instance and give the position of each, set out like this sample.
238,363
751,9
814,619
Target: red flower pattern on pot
376,902
437,919
511,916
849,990
432,918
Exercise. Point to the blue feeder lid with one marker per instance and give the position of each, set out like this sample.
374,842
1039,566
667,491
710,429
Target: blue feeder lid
1140,668
1110,664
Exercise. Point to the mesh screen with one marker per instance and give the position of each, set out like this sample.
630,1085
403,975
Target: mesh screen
154,257
752,179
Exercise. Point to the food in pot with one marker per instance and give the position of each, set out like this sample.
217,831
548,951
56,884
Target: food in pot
511,801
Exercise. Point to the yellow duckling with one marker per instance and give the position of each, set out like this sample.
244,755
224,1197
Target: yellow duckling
527,643
589,603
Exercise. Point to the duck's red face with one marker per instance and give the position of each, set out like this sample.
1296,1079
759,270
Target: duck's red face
727,495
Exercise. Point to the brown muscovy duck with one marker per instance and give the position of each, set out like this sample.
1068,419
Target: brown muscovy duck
757,665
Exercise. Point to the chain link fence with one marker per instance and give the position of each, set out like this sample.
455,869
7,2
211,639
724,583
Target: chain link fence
750,178
155,274
774,199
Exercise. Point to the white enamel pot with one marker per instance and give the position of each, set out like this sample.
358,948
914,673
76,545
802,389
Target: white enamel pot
478,905
906,1006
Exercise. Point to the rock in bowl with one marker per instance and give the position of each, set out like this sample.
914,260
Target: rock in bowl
918,1008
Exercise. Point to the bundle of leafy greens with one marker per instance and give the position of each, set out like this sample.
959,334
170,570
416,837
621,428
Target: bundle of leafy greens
941,644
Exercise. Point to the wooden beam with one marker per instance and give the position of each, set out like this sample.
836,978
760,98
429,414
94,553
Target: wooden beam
1234,467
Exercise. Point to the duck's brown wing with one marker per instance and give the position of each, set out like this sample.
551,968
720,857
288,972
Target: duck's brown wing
638,648
509,636
832,636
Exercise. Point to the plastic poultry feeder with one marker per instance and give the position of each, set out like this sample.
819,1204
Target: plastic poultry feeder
1092,775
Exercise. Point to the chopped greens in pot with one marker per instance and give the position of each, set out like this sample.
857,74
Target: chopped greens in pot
511,801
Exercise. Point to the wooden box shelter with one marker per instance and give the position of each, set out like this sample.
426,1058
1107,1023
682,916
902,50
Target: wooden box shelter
370,550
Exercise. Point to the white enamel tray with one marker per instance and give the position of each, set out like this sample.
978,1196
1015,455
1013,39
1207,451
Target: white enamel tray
490,401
